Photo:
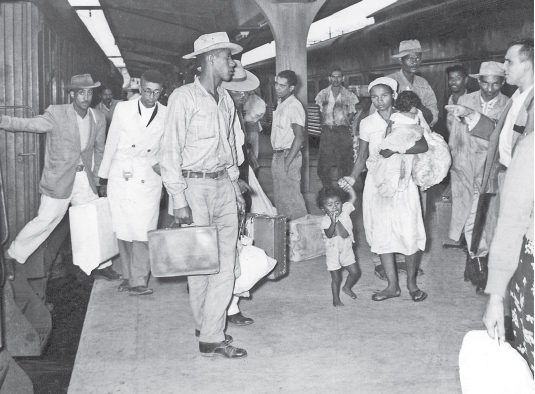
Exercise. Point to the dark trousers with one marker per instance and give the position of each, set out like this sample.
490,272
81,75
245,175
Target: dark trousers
336,150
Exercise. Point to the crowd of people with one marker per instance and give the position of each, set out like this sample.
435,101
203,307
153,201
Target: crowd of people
203,146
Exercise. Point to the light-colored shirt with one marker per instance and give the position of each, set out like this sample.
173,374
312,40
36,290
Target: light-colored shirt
199,136
146,113
337,111
505,146
422,88
289,112
83,127
487,106
343,218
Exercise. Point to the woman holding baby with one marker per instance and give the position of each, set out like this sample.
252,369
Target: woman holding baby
392,220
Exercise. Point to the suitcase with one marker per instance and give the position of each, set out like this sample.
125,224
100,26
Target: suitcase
92,236
183,251
269,233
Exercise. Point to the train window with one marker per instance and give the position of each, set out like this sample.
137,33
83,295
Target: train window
356,80
373,76
324,82
311,92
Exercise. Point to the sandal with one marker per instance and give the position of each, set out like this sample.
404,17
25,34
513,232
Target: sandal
382,296
418,295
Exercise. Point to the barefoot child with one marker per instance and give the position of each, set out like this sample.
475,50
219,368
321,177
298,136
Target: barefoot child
339,237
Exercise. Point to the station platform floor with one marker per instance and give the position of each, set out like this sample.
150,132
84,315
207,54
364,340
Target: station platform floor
299,343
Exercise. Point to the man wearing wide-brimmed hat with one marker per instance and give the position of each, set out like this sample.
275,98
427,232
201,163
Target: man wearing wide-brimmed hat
75,136
468,153
410,57
200,171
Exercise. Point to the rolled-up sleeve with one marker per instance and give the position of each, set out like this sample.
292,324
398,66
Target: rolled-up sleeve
172,147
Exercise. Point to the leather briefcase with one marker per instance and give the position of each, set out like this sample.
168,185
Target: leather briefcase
183,251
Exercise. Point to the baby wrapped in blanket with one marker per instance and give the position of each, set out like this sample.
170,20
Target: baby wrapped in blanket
392,174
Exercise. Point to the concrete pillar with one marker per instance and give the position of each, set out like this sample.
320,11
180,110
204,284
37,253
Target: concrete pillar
290,22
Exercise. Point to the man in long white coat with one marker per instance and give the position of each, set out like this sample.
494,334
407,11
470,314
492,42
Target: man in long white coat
134,188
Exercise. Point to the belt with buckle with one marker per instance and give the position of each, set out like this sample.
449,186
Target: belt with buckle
280,150
209,175
79,167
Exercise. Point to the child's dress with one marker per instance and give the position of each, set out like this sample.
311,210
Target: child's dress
339,251
392,174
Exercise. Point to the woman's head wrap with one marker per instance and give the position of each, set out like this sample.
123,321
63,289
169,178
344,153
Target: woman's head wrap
392,83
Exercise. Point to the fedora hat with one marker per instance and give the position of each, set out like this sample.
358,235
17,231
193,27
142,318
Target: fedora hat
490,68
210,42
408,46
82,81
242,80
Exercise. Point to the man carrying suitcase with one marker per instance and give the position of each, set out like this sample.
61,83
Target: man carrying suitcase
199,169
75,136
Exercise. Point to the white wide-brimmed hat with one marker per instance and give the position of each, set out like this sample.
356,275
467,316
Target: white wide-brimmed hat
408,46
490,68
242,80
212,41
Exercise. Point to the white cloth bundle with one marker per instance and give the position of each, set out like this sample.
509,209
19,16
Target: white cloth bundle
431,167
254,265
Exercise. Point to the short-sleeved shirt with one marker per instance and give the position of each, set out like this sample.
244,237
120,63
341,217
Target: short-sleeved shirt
338,110
343,218
289,112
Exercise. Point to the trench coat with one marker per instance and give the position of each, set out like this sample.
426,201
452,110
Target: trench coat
134,188
468,160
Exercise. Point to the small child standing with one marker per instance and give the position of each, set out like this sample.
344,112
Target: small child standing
339,240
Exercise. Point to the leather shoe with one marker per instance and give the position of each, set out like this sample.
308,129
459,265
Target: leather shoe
124,286
107,273
228,338
239,320
221,349
139,290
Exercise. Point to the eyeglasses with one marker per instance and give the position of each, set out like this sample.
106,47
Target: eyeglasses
149,92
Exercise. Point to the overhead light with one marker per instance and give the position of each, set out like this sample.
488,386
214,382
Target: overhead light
262,24
241,35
